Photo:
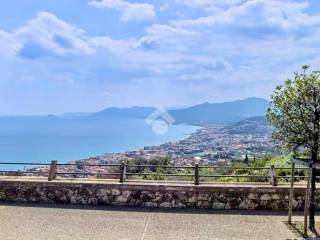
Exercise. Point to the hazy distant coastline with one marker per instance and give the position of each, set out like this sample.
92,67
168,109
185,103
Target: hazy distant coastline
82,135
43,139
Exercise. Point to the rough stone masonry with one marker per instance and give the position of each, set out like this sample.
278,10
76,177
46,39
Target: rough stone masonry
158,195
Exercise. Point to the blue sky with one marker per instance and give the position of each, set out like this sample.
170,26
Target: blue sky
85,55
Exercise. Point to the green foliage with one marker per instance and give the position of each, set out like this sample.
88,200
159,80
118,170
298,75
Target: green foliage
246,159
294,112
267,161
277,161
156,173
151,173
143,161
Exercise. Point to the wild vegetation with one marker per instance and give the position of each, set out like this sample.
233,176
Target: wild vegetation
157,173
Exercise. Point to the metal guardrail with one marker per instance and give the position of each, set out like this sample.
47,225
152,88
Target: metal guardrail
52,171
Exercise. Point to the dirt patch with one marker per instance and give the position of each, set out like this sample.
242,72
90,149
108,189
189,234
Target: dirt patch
297,228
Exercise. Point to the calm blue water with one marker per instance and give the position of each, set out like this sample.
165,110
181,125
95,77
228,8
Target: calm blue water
41,139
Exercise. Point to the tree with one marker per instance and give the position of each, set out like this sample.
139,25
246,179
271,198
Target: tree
246,159
294,114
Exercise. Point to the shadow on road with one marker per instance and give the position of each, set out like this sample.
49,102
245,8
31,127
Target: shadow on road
144,209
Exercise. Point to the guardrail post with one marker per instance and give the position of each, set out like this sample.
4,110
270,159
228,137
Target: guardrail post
122,172
273,176
99,174
291,193
196,174
53,170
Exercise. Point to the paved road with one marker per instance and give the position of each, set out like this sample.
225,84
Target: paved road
41,222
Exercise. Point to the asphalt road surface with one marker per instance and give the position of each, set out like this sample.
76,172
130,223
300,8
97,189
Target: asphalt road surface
64,222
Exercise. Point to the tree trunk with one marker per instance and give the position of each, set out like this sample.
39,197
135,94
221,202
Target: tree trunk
312,200
312,207
314,157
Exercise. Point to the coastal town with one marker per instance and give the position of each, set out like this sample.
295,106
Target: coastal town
208,146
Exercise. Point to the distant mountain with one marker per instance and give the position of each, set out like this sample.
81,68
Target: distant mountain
130,112
202,114
250,126
221,113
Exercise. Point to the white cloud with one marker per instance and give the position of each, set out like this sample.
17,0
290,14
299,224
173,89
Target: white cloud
209,5
163,35
129,11
117,47
239,45
250,46
47,35
8,44
284,14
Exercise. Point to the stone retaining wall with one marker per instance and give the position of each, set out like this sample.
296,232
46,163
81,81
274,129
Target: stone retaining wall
222,196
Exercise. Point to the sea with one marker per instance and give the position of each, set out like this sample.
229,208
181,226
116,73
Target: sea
46,138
